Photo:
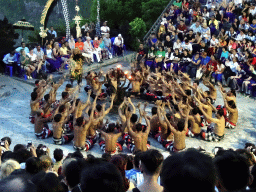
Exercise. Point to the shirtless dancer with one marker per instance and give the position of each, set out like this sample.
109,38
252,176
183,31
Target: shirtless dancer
110,144
179,133
136,81
53,92
121,111
42,130
212,93
140,138
216,133
232,116
92,133
60,119
165,135
35,103
80,129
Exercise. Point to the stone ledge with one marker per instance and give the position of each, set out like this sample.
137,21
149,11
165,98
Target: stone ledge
56,76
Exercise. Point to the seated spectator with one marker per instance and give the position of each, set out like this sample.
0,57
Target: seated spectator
8,167
187,45
232,171
90,51
151,164
79,44
64,50
217,75
189,171
168,43
26,64
101,176
23,46
53,62
206,33
40,57
119,45
96,45
72,43
141,55
108,45
160,55
10,59
196,27
178,3
194,65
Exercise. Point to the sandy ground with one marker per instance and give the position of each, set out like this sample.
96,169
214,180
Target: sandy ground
14,119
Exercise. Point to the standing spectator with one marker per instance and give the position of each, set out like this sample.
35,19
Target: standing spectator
8,167
105,30
232,171
120,163
101,176
151,164
23,46
85,28
188,171
119,44
58,156
52,32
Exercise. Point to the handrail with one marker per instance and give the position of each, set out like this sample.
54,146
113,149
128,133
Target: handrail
157,21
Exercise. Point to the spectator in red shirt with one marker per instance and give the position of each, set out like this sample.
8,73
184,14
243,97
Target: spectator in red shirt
182,29
79,44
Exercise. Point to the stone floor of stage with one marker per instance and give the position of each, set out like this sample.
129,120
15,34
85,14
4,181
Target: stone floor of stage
14,122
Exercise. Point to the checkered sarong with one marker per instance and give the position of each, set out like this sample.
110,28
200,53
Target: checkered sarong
211,136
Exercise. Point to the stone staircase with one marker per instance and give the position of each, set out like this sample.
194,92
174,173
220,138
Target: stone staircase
157,23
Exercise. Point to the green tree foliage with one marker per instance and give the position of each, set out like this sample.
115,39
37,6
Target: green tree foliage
137,31
151,10
119,13
7,38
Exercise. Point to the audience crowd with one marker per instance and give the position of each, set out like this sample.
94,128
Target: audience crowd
216,39
29,168
54,55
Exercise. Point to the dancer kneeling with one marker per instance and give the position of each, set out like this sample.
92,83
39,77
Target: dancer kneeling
179,133
110,144
140,138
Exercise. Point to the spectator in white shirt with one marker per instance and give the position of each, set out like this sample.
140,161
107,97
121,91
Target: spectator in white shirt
241,35
72,43
105,29
52,32
89,51
10,58
23,46
187,45
177,45
119,43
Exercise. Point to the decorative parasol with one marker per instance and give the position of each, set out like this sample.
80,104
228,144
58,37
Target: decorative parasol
23,25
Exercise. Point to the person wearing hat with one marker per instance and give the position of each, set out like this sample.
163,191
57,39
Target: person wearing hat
105,29
119,43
